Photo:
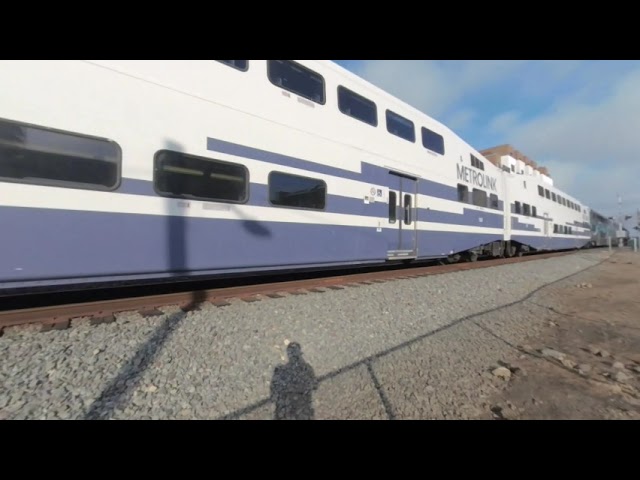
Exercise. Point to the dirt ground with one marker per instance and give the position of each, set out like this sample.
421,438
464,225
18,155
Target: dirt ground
586,364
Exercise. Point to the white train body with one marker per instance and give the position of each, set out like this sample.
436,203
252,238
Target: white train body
198,168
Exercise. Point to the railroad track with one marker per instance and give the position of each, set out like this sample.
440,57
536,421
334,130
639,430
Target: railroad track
60,316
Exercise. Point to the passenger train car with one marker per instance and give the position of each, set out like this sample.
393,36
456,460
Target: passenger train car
115,171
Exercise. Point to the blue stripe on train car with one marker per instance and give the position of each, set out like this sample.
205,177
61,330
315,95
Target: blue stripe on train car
46,243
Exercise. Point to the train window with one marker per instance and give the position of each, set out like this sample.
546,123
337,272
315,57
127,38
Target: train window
534,212
407,210
476,163
357,106
432,141
393,207
463,193
400,126
540,191
546,193
479,197
493,201
286,190
242,65
179,175
43,156
295,78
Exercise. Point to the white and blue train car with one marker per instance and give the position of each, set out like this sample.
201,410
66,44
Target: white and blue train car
542,217
116,171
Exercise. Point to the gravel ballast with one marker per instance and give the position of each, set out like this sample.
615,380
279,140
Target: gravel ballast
414,348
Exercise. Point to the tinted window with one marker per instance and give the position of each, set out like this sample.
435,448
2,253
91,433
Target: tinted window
357,106
293,191
432,140
36,155
400,126
475,162
493,201
187,176
540,191
534,211
295,78
479,197
242,65
407,210
393,202
463,193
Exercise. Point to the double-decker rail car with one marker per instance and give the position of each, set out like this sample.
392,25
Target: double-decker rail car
141,171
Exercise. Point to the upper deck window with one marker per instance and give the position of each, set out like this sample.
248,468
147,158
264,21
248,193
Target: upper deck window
400,126
242,65
295,78
432,141
357,106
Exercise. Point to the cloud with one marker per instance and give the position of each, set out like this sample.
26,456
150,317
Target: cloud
592,147
579,118
503,122
433,86
460,118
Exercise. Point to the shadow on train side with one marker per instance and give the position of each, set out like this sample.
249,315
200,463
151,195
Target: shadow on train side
119,391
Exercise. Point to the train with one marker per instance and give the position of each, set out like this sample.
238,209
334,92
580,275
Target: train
129,172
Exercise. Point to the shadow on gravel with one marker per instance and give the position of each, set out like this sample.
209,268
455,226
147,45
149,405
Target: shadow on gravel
368,361
292,387
119,391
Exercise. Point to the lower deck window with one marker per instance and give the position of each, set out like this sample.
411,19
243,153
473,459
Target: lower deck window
42,156
479,197
187,176
463,193
288,190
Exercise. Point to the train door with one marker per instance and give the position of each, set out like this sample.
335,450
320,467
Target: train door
402,216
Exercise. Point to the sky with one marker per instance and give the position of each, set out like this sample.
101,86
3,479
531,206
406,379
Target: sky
579,118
